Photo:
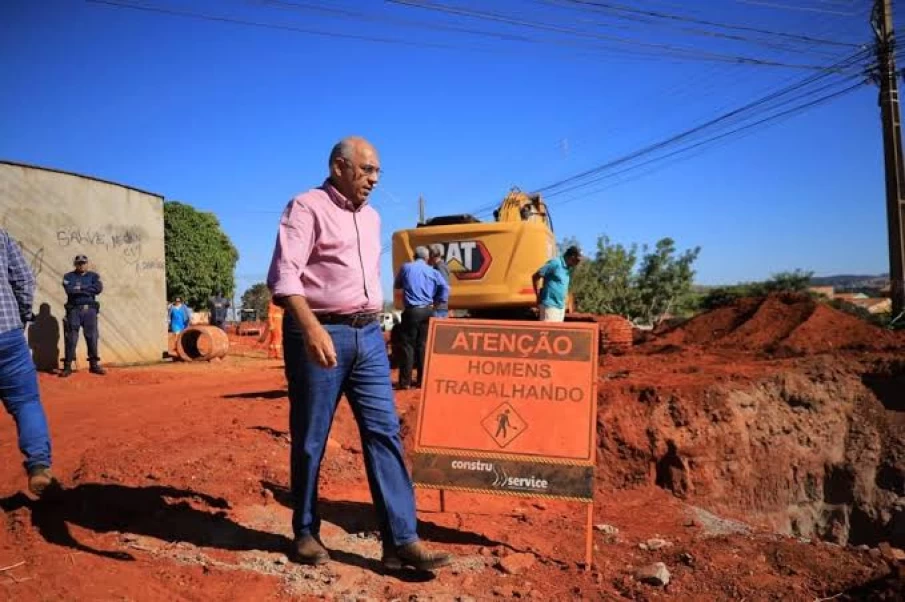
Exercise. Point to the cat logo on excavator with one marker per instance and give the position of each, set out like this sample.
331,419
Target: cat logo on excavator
467,259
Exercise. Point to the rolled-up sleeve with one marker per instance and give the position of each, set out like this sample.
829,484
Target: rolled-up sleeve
20,276
295,240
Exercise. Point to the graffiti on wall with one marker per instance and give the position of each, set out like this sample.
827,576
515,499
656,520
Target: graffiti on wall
123,242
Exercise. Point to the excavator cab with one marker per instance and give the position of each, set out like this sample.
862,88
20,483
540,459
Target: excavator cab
491,263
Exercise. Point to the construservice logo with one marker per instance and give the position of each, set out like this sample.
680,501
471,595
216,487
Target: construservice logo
501,478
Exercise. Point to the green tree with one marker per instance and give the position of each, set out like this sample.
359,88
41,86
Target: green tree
257,297
200,258
614,282
605,284
664,281
789,282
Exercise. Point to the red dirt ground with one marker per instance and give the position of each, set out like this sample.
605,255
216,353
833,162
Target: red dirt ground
176,482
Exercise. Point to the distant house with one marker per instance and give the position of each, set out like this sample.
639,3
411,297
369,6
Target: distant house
881,305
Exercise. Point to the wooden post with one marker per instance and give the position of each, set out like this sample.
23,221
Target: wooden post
442,500
589,543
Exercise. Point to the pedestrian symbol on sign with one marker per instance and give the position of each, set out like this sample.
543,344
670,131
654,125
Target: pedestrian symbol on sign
504,425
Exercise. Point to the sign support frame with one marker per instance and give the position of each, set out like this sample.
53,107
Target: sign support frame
593,361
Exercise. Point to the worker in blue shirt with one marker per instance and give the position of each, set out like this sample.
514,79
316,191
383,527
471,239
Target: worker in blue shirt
423,288
180,315
82,287
557,276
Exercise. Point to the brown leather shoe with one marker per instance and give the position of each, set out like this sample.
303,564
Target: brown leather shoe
308,550
415,555
40,480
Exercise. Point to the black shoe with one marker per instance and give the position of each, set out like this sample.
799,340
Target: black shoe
67,371
308,550
96,369
415,555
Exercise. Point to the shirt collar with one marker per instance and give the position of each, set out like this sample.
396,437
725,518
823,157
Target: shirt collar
338,199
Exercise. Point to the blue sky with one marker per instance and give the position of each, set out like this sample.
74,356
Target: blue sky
237,119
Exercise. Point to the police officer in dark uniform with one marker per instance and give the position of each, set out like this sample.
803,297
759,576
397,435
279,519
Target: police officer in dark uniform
82,286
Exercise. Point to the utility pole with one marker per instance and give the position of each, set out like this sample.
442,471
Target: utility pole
881,20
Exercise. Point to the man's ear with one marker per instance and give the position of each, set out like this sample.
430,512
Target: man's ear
336,167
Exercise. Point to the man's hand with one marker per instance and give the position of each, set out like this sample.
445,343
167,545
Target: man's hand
319,346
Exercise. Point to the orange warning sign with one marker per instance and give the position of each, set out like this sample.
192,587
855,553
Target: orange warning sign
514,392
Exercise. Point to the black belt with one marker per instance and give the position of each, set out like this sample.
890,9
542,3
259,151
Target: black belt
354,320
418,306
88,305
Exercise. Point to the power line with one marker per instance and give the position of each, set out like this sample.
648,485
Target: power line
687,133
679,18
236,21
797,8
788,112
686,153
779,45
404,22
678,51
633,52
506,37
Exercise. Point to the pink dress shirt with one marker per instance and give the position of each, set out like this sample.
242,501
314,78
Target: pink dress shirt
328,252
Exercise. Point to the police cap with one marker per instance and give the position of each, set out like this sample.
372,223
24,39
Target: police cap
80,259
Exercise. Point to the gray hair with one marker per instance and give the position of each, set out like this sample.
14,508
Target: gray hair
343,149
421,253
436,250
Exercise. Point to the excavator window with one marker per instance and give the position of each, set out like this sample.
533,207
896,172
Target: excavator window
448,220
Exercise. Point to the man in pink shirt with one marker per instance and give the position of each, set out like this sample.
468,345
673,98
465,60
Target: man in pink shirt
325,272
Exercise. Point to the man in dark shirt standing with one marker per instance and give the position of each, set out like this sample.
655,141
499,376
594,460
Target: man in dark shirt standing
422,289
82,287
218,306
436,259
18,377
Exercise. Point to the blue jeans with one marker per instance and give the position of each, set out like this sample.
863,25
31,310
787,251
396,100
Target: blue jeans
20,395
362,373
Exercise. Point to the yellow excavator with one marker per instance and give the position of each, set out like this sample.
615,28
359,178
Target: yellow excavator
491,263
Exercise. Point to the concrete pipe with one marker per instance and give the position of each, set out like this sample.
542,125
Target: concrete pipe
201,343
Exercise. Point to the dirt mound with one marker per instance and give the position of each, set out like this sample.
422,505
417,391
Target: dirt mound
784,324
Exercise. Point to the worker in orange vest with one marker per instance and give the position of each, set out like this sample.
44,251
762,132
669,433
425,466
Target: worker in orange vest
275,331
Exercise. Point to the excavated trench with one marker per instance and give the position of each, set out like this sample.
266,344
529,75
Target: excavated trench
812,450
811,445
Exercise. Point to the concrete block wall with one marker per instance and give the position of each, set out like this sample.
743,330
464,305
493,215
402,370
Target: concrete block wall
55,216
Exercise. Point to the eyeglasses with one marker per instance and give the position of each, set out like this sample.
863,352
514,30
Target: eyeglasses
367,168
